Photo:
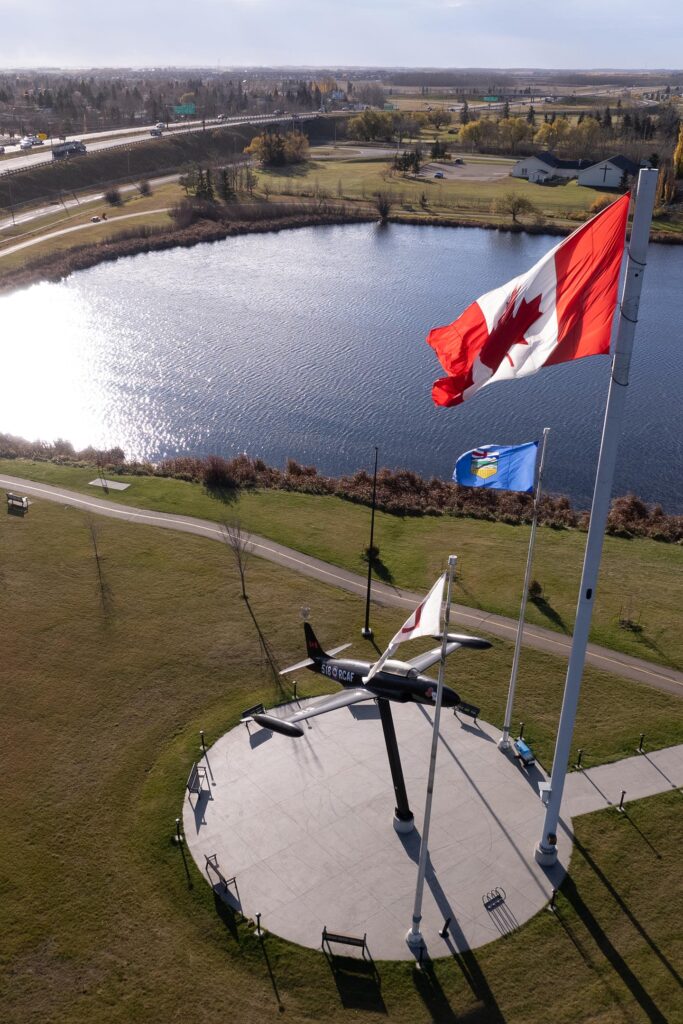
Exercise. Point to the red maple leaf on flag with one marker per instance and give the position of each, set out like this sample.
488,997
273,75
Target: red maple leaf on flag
510,330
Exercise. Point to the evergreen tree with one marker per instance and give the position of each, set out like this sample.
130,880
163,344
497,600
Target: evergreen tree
465,113
531,116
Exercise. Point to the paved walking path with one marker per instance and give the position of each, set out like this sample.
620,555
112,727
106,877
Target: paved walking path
305,826
656,676
79,227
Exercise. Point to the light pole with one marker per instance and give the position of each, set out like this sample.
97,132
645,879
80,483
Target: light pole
366,632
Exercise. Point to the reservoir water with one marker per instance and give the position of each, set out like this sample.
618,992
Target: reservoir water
310,344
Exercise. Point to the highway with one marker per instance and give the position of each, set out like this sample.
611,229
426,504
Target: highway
121,137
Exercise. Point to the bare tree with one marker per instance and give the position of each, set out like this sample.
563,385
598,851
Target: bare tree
105,592
240,544
383,201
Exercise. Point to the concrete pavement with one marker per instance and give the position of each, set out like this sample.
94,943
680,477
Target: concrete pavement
305,826
656,676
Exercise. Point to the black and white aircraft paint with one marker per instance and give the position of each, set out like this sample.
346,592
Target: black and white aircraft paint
400,681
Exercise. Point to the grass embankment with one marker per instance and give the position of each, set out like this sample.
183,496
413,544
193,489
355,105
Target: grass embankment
640,579
105,689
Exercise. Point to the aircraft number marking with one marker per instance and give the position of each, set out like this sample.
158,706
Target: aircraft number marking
342,675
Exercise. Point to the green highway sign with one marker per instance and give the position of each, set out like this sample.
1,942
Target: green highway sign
491,99
185,108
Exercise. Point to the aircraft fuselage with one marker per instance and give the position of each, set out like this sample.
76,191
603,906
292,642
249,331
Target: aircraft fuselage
396,686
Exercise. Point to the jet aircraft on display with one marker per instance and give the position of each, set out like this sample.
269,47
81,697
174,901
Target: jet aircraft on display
400,681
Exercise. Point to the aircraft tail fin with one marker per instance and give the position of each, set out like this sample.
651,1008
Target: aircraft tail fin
313,648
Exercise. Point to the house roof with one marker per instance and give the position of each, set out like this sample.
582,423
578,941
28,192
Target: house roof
623,163
568,165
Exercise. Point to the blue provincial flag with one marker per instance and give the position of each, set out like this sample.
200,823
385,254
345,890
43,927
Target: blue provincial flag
499,466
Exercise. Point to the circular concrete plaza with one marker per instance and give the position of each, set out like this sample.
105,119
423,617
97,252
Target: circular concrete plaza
306,828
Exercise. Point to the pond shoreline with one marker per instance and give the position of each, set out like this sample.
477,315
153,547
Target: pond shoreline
59,265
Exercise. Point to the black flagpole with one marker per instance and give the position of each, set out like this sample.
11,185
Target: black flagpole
366,631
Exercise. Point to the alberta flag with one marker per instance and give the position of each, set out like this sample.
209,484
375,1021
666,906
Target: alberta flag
499,466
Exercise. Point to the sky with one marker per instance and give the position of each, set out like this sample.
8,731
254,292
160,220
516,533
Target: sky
370,33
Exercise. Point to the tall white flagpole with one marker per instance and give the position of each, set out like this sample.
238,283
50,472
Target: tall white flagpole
504,741
414,936
546,850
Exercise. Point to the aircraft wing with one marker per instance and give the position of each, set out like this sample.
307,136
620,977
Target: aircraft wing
455,640
289,725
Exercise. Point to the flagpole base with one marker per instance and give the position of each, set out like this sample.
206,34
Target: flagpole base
366,633
414,939
504,743
546,856
404,825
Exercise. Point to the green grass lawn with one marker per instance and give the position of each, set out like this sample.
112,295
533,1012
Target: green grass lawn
108,677
640,579
359,178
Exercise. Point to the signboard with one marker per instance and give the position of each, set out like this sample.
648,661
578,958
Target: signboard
491,99
42,136
185,108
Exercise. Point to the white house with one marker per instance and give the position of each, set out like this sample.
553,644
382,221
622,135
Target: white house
608,173
546,166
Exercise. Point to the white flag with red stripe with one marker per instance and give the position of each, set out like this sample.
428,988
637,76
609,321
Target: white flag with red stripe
561,309
424,621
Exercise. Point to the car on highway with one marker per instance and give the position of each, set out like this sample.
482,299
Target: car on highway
156,132
439,174
2,149
160,124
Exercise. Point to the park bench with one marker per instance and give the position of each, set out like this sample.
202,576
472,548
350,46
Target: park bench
345,940
17,501
258,709
524,752
212,865
196,780
467,709
493,899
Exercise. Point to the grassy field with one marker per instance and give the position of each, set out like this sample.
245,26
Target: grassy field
109,675
360,178
640,579
357,179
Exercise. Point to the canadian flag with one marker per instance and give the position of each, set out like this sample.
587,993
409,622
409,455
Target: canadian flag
561,309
